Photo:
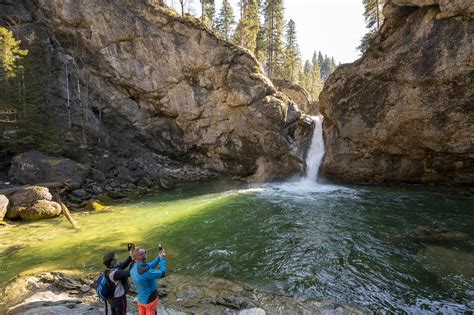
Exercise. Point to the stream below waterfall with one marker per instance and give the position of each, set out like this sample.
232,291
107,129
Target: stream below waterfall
349,244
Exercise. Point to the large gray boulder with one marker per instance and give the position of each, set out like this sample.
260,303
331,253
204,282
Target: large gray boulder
404,111
3,206
35,167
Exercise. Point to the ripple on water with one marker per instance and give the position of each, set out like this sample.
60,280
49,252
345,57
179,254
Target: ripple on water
300,238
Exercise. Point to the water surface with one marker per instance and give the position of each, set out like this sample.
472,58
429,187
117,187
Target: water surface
347,244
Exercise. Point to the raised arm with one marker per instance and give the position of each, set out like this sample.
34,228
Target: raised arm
156,273
155,262
125,264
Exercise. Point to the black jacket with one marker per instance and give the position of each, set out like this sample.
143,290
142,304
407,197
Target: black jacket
121,274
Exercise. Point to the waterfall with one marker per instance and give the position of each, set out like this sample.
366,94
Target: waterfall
316,151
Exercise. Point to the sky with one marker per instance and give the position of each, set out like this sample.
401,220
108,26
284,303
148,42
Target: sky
334,27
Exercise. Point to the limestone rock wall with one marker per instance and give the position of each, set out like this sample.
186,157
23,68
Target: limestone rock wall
149,85
405,110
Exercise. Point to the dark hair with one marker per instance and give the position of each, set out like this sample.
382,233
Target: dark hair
108,258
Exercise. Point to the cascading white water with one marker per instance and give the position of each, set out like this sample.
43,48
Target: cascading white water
316,151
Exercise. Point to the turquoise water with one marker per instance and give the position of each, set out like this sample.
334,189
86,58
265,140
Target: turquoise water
347,244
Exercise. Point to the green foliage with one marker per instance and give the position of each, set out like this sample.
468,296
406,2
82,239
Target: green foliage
10,52
249,25
373,18
208,10
260,44
328,66
225,20
292,61
274,25
316,81
28,127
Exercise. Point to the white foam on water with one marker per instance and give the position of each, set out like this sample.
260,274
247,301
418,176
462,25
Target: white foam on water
308,187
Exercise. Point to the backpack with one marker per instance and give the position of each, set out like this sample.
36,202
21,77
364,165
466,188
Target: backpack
104,288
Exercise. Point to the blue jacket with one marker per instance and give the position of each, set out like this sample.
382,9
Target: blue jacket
144,277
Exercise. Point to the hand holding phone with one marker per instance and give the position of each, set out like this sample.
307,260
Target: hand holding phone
131,246
161,251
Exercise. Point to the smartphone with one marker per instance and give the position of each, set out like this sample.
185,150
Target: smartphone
130,246
160,248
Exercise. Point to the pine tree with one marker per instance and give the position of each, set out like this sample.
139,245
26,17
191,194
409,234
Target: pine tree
320,59
249,24
274,25
325,68
373,19
208,10
305,77
261,44
316,82
292,59
225,20
10,53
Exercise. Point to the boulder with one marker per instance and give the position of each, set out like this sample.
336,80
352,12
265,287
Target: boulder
35,167
432,234
40,209
3,206
30,195
94,205
404,111
297,94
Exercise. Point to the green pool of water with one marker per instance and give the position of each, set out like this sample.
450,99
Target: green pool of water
347,244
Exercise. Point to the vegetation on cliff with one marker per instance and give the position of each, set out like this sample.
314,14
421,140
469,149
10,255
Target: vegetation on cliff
262,29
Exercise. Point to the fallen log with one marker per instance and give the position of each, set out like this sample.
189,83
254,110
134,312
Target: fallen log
65,210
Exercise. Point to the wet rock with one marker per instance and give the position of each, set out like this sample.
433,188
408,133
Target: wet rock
168,183
235,301
40,209
432,234
30,195
94,205
104,198
116,194
251,311
35,167
441,260
3,206
96,190
97,175
80,193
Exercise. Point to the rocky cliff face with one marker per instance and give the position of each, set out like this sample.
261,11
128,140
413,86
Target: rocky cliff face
405,110
149,92
297,95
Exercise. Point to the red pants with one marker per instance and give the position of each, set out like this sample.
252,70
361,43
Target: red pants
148,309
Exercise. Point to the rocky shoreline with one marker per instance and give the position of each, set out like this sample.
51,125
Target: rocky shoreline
69,293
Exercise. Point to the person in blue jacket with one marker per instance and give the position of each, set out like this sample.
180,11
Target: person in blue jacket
144,277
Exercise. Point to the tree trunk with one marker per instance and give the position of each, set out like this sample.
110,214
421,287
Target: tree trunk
65,210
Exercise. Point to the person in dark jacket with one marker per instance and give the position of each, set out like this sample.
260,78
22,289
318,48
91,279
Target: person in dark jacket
144,277
118,276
